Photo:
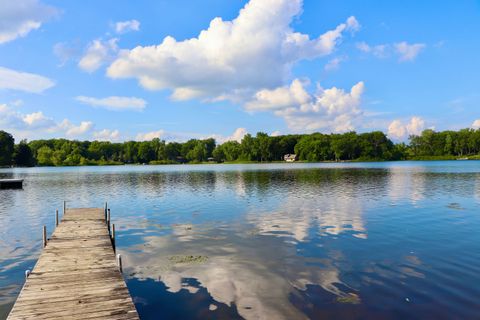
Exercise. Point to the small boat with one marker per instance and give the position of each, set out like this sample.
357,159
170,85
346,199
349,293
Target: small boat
11,183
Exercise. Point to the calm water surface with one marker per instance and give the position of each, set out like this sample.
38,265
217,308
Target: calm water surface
393,240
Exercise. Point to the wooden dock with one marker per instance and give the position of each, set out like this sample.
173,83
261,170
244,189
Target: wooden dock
77,275
11,183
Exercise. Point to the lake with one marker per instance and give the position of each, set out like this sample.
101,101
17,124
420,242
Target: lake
390,240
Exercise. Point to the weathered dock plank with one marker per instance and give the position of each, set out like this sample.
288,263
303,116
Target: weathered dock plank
76,276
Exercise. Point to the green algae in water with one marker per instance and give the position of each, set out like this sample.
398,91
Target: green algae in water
455,206
350,298
188,259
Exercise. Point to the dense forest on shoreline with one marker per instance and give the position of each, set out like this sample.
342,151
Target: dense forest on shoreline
350,146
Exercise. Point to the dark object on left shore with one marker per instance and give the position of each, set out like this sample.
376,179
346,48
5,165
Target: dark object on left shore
11,183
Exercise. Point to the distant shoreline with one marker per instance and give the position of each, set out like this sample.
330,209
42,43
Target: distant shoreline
316,147
245,162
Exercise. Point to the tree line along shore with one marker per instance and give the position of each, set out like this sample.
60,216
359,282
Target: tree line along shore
350,146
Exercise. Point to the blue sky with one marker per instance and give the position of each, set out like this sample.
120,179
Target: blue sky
119,70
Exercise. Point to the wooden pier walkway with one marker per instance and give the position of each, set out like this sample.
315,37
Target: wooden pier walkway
77,275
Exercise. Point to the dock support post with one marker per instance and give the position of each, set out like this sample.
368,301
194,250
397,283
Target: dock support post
64,207
44,236
56,218
119,262
113,237
106,206
108,220
27,273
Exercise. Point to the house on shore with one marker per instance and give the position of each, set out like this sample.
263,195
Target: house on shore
181,160
290,157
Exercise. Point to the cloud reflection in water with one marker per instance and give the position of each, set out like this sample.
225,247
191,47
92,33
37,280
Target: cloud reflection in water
275,241
254,263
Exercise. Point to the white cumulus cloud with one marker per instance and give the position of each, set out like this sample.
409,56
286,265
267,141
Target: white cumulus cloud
107,135
230,59
476,124
379,51
37,120
18,18
114,102
237,135
10,118
126,26
400,130
23,81
280,98
404,50
150,135
397,129
408,52
37,124
333,109
97,54
73,130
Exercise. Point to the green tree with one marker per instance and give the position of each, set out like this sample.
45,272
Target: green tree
173,150
448,144
219,153
209,146
232,150
248,148
314,147
44,156
345,146
263,145
146,152
130,152
159,149
7,144
58,157
228,151
375,145
415,145
400,151
198,153
23,155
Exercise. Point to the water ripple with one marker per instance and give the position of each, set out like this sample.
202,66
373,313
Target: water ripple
342,240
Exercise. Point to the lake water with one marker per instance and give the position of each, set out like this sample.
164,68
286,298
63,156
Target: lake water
392,240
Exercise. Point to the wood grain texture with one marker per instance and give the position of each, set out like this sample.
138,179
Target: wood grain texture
76,276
